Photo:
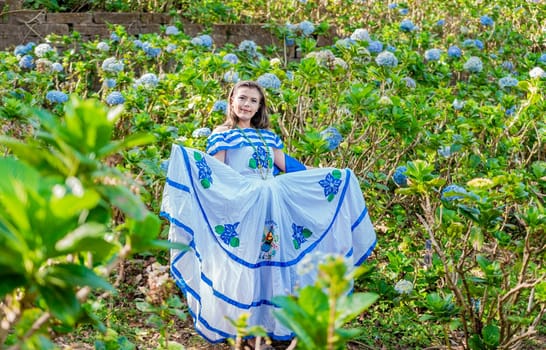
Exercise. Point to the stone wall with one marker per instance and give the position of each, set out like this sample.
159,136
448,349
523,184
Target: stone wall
19,26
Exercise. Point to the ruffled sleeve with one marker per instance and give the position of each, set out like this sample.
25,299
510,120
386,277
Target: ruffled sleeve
215,143
234,138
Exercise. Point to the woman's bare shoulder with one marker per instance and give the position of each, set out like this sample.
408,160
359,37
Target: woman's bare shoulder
220,128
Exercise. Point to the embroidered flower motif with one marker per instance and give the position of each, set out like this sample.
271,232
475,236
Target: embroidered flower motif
260,159
228,233
300,235
270,241
205,174
331,184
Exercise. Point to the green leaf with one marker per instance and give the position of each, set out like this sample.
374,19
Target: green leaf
70,205
128,142
89,237
122,198
352,305
292,317
10,282
491,335
74,275
62,302
144,232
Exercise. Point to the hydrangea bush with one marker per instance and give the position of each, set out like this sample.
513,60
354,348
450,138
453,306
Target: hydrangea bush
439,110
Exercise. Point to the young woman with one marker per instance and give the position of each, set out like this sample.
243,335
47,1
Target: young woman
248,230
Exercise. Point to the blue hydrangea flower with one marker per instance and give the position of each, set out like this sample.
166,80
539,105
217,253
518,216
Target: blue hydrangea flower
21,50
433,54
171,30
112,65
42,50
170,48
138,43
468,43
332,136
231,58
204,40
345,43
57,67
473,65
403,12
148,80
510,111
454,51
478,44
150,51
56,96
392,6
403,287
441,22
391,48
360,35
220,106
201,132
102,46
290,75
110,83
444,151
507,82
542,58
375,46
537,72
453,192
114,37
289,41
458,104
249,47
386,59
307,28
399,177
407,26
410,83
26,62
508,65
486,21
231,76
269,81
115,98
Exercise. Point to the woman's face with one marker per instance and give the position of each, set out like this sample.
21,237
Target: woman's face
245,103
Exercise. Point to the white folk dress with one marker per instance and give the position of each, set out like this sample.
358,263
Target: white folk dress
249,236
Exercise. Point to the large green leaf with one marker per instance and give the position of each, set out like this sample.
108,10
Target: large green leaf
89,237
74,275
352,305
71,205
61,302
122,198
128,142
10,282
144,232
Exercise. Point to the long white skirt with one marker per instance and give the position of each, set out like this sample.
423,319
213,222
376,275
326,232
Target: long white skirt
248,236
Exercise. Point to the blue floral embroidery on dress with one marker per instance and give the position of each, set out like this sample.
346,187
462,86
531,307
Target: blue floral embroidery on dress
228,233
300,235
261,157
331,184
205,174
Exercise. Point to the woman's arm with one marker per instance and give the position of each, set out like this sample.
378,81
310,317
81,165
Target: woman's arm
279,159
221,156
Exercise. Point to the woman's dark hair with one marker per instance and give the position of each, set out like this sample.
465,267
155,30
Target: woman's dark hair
260,120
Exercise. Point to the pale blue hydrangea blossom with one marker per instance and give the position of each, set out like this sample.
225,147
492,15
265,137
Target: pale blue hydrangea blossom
444,151
403,11
473,65
102,46
231,58
115,98
114,37
486,21
453,192
42,50
410,83
171,47
148,80
454,51
403,287
407,26
26,62
57,67
112,65
204,40
537,72
433,54
458,104
360,34
542,58
231,76
248,46
171,30
56,96
201,132
332,136
507,65
307,28
110,83
375,46
220,106
21,50
507,82
441,22
386,59
269,81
